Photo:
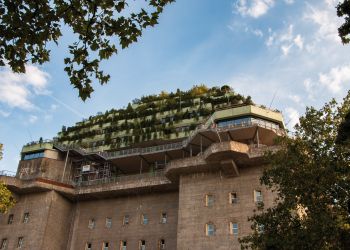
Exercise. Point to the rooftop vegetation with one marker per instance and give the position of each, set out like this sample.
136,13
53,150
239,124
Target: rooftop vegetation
163,116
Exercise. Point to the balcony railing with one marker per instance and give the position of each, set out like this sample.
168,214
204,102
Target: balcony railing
121,178
207,126
7,173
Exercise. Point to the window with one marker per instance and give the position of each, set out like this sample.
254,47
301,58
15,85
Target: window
26,218
209,200
126,220
142,245
88,246
33,156
258,198
234,228
105,245
10,219
233,199
3,244
123,244
20,242
91,223
163,218
161,244
144,219
108,222
210,229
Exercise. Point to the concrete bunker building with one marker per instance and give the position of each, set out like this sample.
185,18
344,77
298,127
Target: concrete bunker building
171,171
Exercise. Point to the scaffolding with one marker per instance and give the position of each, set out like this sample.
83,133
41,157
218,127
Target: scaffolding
86,171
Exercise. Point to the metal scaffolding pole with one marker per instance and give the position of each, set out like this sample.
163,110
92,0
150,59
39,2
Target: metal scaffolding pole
65,165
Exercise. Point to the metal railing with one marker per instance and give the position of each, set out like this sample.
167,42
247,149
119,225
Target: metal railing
121,178
255,122
171,146
7,173
38,142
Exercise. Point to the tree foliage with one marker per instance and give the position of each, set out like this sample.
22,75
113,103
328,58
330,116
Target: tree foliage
6,199
27,27
343,10
344,131
311,178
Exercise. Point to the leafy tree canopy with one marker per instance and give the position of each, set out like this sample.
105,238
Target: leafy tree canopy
343,10
311,178
6,199
27,26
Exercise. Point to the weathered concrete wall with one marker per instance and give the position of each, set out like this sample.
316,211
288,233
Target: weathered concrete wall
47,228
134,206
194,214
41,167
58,223
33,231
52,154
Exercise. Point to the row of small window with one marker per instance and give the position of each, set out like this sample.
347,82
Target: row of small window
233,198
210,229
126,220
24,220
124,245
33,156
247,121
4,243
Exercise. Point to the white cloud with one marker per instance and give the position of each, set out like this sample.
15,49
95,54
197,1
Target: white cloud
292,117
32,118
325,18
37,79
295,98
14,95
258,33
301,60
286,49
285,39
270,40
310,88
298,41
254,8
16,90
288,35
238,26
336,78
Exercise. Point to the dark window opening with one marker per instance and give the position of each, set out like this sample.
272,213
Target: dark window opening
10,219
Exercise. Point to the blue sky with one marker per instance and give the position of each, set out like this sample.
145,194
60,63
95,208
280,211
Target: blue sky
263,48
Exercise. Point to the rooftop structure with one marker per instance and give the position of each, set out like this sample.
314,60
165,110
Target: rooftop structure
193,158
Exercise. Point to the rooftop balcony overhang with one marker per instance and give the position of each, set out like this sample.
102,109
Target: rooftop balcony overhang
126,185
37,146
37,185
227,157
129,160
97,189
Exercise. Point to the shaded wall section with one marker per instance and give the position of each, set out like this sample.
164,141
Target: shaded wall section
47,226
152,205
194,214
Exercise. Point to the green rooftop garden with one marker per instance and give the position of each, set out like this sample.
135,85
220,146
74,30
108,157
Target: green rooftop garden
166,116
